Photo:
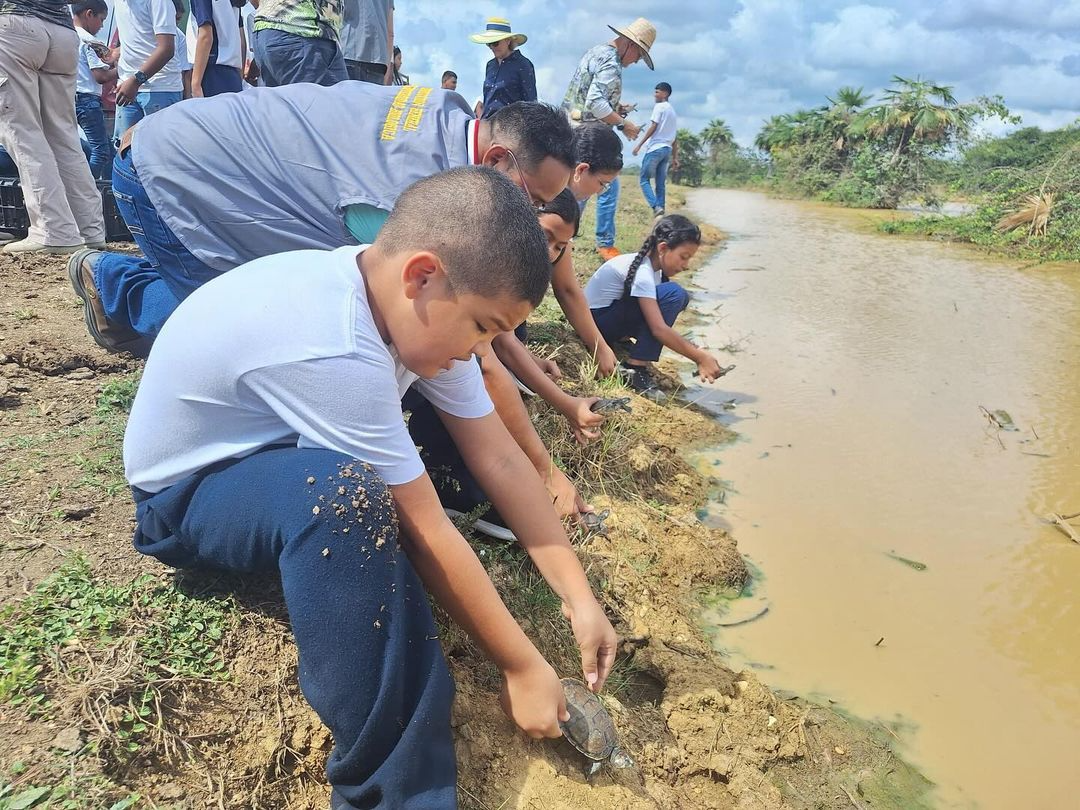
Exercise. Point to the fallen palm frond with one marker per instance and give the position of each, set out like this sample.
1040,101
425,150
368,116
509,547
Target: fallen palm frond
1034,214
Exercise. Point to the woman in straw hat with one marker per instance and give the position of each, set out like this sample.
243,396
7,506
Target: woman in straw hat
595,95
510,76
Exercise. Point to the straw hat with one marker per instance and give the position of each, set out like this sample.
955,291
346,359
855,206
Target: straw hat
642,33
498,28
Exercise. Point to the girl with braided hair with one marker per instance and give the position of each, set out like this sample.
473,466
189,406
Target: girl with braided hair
631,296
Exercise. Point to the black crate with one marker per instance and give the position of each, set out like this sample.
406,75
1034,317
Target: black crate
13,217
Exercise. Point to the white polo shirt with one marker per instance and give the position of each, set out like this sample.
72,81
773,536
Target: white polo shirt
283,349
139,22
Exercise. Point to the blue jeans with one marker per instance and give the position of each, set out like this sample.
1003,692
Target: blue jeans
141,292
370,660
654,166
92,120
145,103
623,319
605,215
7,165
285,58
218,79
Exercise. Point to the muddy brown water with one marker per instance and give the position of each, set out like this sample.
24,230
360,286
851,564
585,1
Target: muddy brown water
864,360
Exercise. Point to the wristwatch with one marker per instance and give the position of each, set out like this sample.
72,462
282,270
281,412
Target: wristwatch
141,78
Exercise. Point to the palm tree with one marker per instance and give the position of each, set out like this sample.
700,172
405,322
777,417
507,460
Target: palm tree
842,113
717,135
912,111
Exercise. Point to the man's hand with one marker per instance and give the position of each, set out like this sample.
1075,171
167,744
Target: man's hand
549,367
606,362
534,699
126,91
637,149
709,370
596,639
583,420
564,496
675,164
630,130
251,73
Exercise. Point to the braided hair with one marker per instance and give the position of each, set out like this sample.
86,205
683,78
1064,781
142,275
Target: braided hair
673,230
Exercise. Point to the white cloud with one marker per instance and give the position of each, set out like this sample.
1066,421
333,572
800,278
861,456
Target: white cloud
745,60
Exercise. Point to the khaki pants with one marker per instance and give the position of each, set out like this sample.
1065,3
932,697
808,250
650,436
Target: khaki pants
38,128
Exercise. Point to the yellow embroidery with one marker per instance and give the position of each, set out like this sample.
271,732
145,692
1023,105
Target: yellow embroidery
416,111
397,110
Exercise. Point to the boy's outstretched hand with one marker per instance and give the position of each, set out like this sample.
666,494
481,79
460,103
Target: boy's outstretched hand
596,639
533,698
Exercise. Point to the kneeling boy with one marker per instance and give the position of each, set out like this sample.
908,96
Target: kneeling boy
267,432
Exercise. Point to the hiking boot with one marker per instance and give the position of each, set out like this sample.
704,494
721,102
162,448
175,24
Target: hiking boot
638,378
30,246
106,334
608,253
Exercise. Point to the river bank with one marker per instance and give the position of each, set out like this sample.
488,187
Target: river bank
126,685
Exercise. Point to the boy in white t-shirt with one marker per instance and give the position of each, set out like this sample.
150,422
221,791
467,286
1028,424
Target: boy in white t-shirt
96,66
267,433
661,148
150,76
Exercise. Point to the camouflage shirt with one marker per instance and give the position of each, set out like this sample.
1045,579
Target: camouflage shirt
596,88
48,10
315,19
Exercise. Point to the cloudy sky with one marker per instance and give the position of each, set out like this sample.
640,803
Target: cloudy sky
744,61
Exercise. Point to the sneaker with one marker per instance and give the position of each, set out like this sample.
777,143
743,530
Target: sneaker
658,210
638,378
30,246
608,253
95,245
105,333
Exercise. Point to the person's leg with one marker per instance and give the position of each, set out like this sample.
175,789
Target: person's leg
152,101
661,176
605,215
672,300
24,49
62,133
370,661
220,79
335,71
141,293
648,173
92,120
290,59
127,116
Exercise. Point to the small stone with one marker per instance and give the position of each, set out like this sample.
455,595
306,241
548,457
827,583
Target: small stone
311,479
772,721
81,374
326,552
380,542
73,512
314,510
377,623
70,739
4,385
840,750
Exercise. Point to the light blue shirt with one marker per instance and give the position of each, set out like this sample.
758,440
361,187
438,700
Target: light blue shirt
244,175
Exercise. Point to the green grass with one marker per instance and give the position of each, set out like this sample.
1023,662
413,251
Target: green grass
69,792
77,634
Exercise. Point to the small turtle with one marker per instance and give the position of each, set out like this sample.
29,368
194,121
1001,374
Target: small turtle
594,522
590,728
612,405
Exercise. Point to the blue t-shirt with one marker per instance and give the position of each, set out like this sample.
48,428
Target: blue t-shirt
514,79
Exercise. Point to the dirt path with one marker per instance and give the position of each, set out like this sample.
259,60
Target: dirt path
126,685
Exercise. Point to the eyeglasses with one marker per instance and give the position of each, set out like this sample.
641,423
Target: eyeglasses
605,185
560,254
536,202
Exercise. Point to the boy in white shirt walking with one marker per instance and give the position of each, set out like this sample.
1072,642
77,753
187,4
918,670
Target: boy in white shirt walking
661,149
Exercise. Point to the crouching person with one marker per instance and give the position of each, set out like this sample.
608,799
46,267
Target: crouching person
267,433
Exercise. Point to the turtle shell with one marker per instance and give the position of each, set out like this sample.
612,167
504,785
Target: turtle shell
590,728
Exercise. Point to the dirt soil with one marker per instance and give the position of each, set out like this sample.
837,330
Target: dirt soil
701,735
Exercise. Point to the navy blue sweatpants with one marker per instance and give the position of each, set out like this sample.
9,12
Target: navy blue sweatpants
623,319
370,660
